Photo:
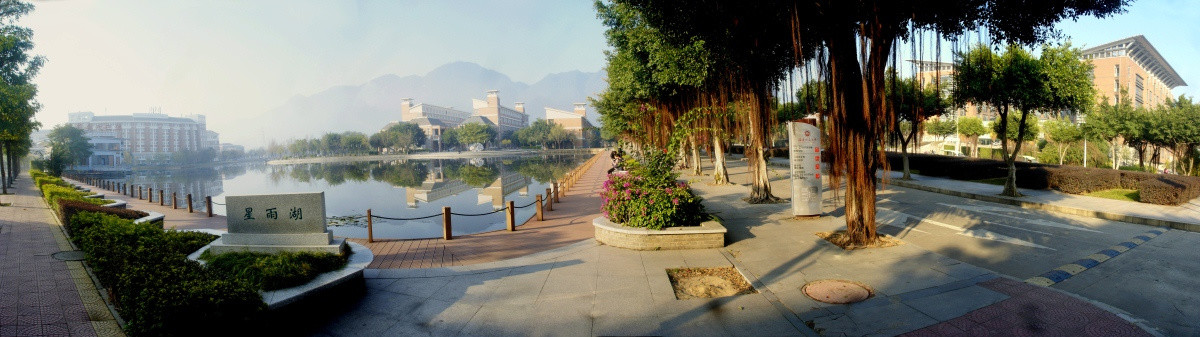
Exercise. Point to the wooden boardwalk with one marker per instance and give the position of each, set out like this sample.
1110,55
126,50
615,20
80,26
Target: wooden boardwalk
569,222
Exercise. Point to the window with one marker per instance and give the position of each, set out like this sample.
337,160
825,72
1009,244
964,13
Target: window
1137,90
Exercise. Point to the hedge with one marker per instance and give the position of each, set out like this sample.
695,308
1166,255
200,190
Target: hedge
1079,180
1152,188
1169,190
156,288
68,208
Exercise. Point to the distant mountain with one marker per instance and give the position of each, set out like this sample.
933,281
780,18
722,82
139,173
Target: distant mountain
368,107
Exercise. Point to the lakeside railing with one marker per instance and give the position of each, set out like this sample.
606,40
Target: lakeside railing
553,195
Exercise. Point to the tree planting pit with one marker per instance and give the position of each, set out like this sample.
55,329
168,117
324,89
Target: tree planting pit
708,282
838,291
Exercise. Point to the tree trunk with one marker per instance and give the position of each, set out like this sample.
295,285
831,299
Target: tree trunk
975,147
1010,184
720,175
3,169
695,156
759,118
853,136
1062,151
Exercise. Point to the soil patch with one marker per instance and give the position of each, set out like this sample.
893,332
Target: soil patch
708,282
840,239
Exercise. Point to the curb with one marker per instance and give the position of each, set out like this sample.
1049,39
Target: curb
1053,208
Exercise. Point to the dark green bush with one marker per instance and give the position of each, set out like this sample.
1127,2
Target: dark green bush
157,289
276,271
969,169
1079,180
1132,180
1169,190
68,208
1035,178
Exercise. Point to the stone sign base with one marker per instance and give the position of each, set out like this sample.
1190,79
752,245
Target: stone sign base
271,243
710,234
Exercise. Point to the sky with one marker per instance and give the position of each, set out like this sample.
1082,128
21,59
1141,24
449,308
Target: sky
226,59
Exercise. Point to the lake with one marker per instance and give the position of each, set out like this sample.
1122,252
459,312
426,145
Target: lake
400,189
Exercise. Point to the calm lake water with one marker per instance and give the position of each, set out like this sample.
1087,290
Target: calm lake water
394,189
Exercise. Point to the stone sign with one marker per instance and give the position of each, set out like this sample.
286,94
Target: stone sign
805,154
277,222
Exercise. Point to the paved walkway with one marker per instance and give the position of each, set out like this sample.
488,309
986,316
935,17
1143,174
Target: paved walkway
41,295
591,289
584,288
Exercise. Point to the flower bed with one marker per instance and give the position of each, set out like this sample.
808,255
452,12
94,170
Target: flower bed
648,196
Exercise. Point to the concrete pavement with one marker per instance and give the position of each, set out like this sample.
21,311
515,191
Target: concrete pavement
589,289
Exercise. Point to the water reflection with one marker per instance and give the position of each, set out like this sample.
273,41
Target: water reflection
398,189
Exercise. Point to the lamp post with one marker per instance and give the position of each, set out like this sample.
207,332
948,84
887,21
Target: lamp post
1083,132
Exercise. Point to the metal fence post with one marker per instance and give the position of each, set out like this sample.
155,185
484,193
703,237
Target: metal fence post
511,216
446,231
539,207
370,227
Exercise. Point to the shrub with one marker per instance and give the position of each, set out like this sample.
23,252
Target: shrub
649,197
54,193
1078,180
68,208
1035,178
968,169
1131,180
1169,190
276,271
157,289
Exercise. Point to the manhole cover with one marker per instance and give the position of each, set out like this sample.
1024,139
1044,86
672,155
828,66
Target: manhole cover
68,255
837,291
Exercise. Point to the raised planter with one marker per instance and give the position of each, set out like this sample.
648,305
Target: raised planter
709,234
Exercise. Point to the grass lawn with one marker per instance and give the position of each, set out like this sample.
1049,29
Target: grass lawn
994,181
1117,194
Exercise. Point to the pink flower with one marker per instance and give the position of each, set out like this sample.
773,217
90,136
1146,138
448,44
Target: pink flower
669,191
675,201
625,185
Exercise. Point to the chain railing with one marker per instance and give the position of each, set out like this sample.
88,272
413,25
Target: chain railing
553,195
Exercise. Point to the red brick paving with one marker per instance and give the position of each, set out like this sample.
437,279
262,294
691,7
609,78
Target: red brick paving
1033,311
38,296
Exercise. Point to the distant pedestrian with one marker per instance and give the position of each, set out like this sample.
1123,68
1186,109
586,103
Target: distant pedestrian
617,157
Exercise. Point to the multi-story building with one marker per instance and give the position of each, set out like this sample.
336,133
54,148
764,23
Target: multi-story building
435,119
209,139
108,151
504,118
575,122
147,136
1129,66
1132,64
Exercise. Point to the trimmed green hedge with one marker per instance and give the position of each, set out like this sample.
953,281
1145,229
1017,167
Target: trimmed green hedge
1152,188
276,271
156,288
68,208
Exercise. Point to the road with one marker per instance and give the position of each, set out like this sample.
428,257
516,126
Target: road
1154,281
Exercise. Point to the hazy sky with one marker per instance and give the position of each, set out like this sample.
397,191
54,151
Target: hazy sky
227,59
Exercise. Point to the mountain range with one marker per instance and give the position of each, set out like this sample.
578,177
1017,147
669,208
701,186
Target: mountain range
368,107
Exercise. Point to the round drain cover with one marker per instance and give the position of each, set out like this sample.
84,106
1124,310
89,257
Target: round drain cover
68,255
837,291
